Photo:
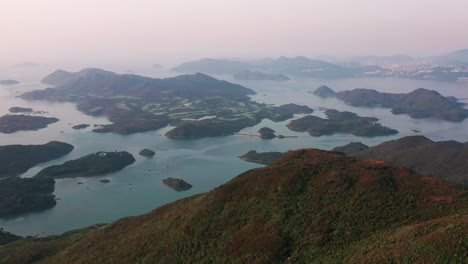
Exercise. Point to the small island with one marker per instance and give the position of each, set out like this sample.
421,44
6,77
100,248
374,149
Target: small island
17,109
340,122
80,126
23,195
178,185
324,91
261,157
351,148
95,164
17,159
266,133
259,76
12,123
8,82
104,181
147,153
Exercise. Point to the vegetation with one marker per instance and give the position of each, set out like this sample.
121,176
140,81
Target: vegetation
340,122
32,250
90,165
12,123
309,206
17,159
22,195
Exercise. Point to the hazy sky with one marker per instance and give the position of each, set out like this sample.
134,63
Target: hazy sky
92,31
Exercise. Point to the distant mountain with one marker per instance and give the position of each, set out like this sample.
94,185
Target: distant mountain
259,76
213,66
420,103
297,66
60,77
302,66
309,206
445,160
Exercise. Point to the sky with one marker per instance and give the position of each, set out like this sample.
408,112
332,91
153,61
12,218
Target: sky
92,32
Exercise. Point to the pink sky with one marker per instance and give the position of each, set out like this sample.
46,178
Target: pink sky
87,31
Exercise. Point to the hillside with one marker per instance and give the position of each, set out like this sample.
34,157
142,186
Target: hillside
445,160
309,206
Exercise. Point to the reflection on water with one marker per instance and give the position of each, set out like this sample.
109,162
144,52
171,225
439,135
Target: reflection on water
204,163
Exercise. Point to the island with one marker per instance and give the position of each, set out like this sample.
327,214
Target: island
23,195
259,76
197,105
266,133
324,91
147,153
17,159
80,126
178,185
13,123
351,148
8,82
420,103
340,122
104,181
261,157
16,109
95,164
